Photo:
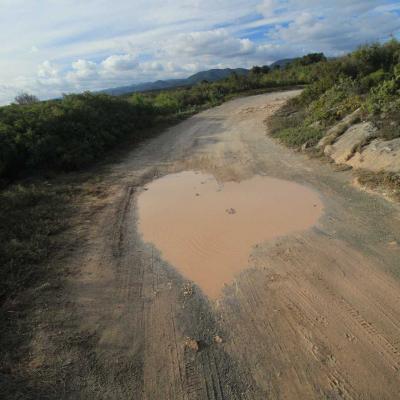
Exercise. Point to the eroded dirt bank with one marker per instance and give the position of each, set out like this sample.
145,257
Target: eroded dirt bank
315,315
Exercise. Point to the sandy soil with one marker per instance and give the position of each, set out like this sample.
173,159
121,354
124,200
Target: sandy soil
314,315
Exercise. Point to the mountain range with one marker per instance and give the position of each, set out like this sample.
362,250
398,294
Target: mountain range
211,75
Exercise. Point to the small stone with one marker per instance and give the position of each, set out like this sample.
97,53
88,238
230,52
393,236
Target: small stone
44,286
218,339
306,145
328,150
230,211
187,289
192,344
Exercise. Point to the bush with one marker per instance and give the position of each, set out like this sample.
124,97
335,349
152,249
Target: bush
335,103
66,134
372,80
26,98
167,103
384,97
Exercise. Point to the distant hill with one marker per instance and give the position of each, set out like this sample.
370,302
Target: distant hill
286,61
211,75
282,63
216,74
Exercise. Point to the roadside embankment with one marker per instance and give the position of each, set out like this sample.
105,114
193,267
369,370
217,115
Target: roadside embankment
351,117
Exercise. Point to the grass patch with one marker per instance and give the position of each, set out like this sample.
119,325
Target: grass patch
296,137
30,215
287,126
381,181
289,116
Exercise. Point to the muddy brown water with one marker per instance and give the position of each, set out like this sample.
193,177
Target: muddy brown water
207,229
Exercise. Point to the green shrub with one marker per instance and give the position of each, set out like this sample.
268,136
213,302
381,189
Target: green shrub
335,103
167,103
373,79
384,97
66,134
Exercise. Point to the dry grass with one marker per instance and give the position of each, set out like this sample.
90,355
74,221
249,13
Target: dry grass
383,182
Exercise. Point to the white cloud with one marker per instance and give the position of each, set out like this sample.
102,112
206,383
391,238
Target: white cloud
218,43
338,32
47,71
115,63
83,70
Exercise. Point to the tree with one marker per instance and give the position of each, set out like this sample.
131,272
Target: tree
25,98
265,69
256,70
312,58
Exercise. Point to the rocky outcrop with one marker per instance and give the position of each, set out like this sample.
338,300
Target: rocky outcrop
379,155
339,129
354,143
350,142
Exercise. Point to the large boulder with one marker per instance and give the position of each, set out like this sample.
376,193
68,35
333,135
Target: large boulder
379,155
350,142
333,133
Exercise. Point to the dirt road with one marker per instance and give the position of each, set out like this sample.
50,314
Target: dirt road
314,315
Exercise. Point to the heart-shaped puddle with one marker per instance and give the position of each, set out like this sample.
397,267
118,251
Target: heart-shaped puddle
207,230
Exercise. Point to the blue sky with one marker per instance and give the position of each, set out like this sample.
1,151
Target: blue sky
51,47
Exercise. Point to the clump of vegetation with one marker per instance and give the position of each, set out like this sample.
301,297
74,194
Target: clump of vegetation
383,105
65,134
338,101
26,98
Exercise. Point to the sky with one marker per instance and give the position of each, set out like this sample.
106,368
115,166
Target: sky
50,47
